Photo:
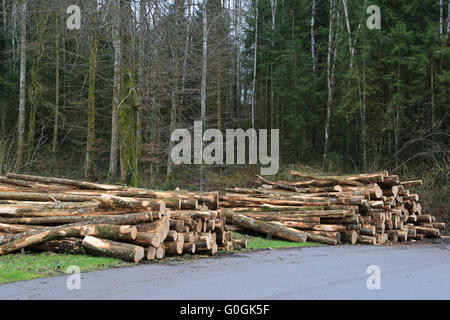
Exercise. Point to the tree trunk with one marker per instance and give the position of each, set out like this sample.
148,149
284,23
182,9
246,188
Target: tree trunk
203,85
56,116
22,88
114,152
89,160
349,33
330,84
254,65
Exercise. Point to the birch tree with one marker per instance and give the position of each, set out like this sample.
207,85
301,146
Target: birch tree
273,7
330,73
254,65
203,85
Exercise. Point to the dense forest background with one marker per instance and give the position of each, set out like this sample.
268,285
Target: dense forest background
102,100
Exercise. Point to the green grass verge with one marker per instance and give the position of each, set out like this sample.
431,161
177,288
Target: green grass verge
255,241
26,266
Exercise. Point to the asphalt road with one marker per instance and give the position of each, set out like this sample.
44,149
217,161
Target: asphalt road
406,272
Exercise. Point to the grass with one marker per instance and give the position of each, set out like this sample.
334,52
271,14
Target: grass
255,241
26,266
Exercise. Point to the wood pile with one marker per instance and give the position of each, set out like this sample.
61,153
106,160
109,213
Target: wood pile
62,215
365,208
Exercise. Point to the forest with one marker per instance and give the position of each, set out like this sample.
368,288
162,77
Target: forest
96,93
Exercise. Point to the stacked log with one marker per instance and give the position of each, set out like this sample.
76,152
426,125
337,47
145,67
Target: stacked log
63,215
366,209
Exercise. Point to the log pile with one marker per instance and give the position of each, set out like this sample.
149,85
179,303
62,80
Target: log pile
366,209
62,215
70,216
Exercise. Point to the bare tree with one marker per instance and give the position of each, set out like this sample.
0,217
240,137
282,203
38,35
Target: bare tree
23,59
237,25
273,7
330,82
116,92
203,86
313,36
89,160
441,18
254,65
57,67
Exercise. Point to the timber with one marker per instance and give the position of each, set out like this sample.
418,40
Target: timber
108,248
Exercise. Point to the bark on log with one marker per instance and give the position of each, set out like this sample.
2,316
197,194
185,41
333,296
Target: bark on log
330,234
132,218
50,180
110,231
381,239
240,243
354,219
172,236
424,218
392,235
321,238
402,235
269,228
23,240
148,239
367,230
108,248
343,182
174,247
189,247
367,239
12,228
349,236
412,183
428,232
70,245
177,225
202,245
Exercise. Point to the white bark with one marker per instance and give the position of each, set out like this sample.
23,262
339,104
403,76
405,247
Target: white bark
203,86
448,18
23,60
254,64
116,92
349,33
204,62
329,79
237,25
441,18
273,5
